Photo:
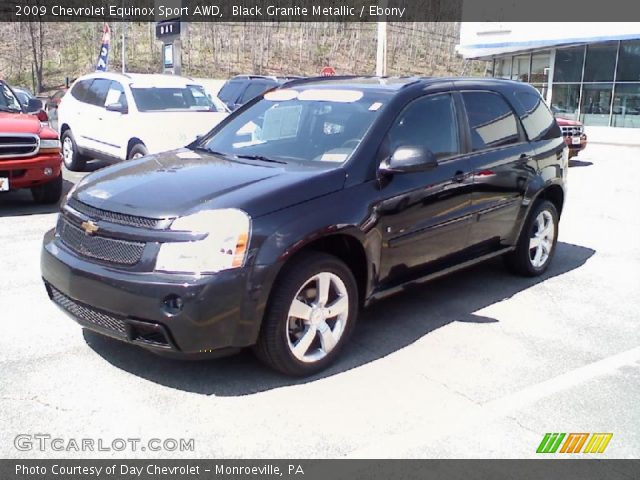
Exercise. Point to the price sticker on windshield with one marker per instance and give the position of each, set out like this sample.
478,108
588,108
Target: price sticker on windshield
4,184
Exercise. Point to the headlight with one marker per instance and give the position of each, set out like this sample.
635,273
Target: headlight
224,247
49,146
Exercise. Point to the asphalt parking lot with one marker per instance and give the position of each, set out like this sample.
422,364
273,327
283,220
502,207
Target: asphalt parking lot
478,364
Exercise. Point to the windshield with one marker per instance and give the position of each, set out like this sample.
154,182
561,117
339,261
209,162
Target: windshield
8,101
314,125
192,97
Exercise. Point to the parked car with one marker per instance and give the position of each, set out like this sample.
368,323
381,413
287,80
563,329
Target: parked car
29,153
574,136
116,117
321,197
243,88
31,104
51,107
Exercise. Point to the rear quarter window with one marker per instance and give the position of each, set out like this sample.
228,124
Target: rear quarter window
80,89
537,119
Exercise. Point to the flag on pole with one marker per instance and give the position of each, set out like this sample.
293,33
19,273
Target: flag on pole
103,57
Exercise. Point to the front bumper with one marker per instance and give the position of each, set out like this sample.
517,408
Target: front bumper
221,311
575,148
29,172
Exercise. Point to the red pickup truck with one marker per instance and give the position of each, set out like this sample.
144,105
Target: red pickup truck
574,136
29,152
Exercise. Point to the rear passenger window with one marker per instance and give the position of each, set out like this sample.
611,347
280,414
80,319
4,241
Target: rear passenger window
430,122
253,90
80,89
537,119
230,91
491,120
98,92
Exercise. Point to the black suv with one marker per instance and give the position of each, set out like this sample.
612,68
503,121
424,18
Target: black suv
242,89
312,201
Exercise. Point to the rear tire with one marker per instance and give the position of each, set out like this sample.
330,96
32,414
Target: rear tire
312,311
537,243
48,193
71,157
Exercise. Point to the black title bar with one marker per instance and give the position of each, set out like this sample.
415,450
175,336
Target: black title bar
318,10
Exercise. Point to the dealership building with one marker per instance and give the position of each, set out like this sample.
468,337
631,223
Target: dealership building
585,71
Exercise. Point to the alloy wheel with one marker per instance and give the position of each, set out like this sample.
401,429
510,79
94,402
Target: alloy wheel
317,317
67,151
541,241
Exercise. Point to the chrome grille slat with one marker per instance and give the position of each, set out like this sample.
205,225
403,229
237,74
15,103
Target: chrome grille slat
18,145
109,250
572,131
88,314
114,217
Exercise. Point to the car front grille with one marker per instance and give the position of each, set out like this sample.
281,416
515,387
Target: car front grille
115,217
572,131
88,314
109,250
16,146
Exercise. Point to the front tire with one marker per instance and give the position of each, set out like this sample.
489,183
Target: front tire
137,151
48,193
71,157
311,313
537,242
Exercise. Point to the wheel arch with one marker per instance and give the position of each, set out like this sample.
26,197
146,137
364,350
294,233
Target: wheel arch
342,245
553,193
133,141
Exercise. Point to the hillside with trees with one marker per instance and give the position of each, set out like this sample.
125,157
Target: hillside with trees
41,55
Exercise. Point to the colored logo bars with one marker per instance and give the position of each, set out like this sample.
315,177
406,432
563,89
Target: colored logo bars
574,442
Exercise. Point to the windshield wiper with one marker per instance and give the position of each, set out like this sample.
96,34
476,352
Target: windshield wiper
262,158
208,150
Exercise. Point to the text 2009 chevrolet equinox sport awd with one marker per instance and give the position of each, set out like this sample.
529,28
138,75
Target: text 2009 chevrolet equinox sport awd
309,202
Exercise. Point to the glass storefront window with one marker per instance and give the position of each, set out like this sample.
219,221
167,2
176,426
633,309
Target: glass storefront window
520,68
543,89
629,62
600,63
568,66
626,106
596,104
564,101
502,68
540,68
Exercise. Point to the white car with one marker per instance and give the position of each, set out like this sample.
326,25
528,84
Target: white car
117,117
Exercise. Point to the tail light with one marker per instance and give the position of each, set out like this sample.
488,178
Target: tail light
42,116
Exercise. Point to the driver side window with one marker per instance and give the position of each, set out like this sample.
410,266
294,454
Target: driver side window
429,122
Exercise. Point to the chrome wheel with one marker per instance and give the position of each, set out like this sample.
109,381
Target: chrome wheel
67,151
317,317
541,242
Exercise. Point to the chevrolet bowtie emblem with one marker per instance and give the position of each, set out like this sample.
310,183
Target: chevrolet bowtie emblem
89,227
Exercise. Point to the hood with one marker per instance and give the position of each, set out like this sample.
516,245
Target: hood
565,122
181,182
174,129
19,123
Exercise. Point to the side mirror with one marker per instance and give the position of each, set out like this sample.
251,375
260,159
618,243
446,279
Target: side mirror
34,105
409,159
117,107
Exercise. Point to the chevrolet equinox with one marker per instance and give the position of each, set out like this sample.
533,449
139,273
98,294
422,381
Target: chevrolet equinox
311,201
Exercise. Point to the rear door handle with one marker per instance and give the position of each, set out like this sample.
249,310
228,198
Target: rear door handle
459,177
